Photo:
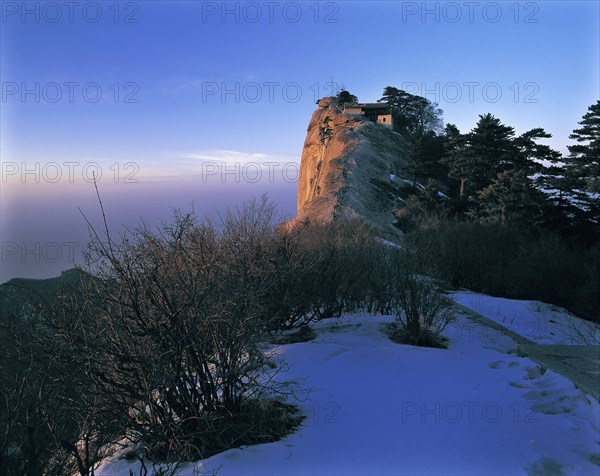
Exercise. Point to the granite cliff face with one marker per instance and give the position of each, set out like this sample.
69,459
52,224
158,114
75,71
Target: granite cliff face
345,169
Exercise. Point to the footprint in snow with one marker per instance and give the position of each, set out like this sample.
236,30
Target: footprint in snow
534,373
546,467
500,364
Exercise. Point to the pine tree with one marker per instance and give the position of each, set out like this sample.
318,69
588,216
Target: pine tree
418,120
490,151
345,97
584,158
560,212
413,115
582,165
423,154
509,198
455,156
529,155
476,158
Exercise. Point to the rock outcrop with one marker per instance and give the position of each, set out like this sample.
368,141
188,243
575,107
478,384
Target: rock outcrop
345,169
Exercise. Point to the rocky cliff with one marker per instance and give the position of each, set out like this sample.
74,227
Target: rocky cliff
345,169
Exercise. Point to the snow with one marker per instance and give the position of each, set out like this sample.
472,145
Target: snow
377,407
412,183
537,321
422,188
389,243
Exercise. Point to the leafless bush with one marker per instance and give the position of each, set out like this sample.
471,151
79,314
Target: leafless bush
163,340
179,318
421,213
422,309
52,420
21,377
583,332
343,257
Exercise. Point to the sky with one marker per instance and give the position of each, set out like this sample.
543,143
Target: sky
181,105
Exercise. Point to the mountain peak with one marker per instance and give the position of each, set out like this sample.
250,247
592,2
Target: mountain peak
345,168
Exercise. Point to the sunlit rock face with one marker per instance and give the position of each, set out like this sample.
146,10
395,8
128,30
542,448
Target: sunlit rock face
345,169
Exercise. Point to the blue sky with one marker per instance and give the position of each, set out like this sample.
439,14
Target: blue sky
155,91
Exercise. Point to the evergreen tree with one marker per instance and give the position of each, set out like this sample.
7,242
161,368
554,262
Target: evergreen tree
413,115
455,155
423,155
418,120
509,198
546,165
584,159
344,97
490,151
431,197
433,152
530,156
476,158
582,165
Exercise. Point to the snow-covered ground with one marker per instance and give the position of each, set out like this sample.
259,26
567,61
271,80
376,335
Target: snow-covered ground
539,322
377,407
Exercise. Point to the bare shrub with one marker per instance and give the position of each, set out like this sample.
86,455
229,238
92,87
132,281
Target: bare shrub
52,419
178,319
421,308
163,340
344,257
22,430
422,211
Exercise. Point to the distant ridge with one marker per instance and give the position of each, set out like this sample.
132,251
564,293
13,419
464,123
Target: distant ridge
18,293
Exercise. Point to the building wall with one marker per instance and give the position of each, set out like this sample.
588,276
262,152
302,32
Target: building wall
373,114
353,110
385,119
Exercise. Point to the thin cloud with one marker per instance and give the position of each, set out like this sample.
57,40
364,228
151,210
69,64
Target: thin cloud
235,157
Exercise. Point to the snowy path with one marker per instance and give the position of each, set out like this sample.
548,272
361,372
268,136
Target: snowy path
383,408
551,336
536,321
